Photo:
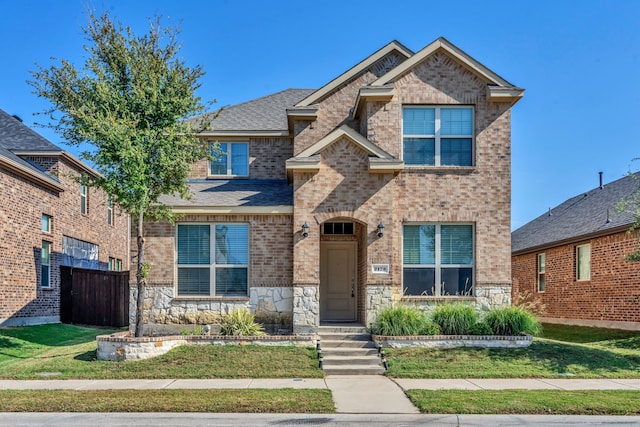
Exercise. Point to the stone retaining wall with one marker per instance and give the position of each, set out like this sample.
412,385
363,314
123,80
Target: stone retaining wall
122,346
452,341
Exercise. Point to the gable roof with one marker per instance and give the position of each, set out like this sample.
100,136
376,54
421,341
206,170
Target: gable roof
354,71
351,134
16,136
589,214
262,116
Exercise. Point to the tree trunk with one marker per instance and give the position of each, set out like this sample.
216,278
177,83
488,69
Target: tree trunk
140,279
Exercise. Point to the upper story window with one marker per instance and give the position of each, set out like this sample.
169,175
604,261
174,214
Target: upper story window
45,265
115,264
583,262
213,259
231,160
438,259
437,136
541,272
46,223
109,211
83,197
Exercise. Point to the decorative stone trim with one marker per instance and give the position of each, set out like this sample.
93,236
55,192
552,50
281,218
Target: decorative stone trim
123,346
453,341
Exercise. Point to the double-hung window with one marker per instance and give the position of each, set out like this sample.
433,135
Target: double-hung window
231,159
438,259
45,265
437,136
46,223
583,262
213,259
109,211
83,197
541,272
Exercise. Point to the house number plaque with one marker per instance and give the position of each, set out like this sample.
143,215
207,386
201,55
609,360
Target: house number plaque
380,268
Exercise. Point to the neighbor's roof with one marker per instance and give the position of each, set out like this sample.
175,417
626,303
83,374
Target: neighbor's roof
16,136
588,214
268,113
220,196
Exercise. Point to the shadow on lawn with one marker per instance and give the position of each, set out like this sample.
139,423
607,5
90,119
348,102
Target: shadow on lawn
54,335
87,356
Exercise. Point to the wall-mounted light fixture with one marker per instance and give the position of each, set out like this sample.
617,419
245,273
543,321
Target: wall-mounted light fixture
380,230
305,230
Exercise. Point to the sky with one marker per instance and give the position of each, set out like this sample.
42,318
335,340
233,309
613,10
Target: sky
579,63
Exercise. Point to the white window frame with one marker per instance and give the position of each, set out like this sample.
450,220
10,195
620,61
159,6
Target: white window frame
84,191
541,264
438,138
212,260
438,257
109,211
46,223
579,248
49,245
229,154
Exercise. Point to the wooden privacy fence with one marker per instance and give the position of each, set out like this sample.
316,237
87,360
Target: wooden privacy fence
94,297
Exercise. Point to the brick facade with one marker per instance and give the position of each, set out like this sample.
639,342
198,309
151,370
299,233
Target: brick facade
22,299
610,298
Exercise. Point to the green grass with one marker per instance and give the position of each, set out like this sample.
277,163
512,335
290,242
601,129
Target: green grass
548,402
589,353
31,352
254,401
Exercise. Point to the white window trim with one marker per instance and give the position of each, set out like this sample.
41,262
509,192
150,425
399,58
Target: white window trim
578,278
437,135
109,211
49,225
84,206
541,272
212,260
438,265
42,264
229,155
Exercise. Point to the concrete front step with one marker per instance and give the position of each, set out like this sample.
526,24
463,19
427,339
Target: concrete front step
342,336
333,360
349,351
345,329
326,344
353,370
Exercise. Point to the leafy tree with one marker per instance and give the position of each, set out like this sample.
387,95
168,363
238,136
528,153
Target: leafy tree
127,103
632,205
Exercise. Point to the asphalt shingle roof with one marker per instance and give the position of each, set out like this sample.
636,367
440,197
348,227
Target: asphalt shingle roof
582,215
229,193
16,136
266,113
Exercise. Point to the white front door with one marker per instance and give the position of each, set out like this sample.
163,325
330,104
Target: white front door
338,281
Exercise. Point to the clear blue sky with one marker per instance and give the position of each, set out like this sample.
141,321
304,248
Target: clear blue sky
579,62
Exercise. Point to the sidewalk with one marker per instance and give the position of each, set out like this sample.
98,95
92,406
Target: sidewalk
352,394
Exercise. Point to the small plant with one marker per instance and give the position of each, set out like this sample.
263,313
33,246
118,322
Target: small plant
530,302
195,331
240,323
481,328
430,328
513,320
400,321
455,319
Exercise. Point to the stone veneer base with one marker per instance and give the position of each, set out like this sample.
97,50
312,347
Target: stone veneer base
453,341
122,346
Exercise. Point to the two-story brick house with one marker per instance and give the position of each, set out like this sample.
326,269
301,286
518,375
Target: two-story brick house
48,219
390,184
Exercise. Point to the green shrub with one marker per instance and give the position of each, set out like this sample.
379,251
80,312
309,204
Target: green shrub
455,319
430,328
481,328
240,323
401,321
513,320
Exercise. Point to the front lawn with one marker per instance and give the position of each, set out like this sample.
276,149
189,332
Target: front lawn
562,351
66,351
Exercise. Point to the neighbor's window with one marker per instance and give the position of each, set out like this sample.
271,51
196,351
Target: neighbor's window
115,264
83,197
583,262
232,159
213,259
109,211
541,272
45,265
437,136
438,259
46,223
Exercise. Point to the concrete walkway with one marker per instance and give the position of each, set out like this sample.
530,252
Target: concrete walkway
352,394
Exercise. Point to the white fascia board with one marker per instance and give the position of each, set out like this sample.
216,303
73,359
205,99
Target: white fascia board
385,166
310,113
368,93
454,51
235,210
243,133
303,165
504,94
346,76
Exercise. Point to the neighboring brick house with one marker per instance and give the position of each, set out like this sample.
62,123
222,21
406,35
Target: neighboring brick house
47,219
390,184
571,260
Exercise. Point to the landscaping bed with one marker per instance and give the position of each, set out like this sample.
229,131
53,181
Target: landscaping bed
454,341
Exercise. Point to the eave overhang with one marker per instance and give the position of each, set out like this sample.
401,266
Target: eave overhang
243,133
509,95
31,175
369,93
236,210
65,155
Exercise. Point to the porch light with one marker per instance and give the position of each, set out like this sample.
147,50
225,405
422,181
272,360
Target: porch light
305,230
380,230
